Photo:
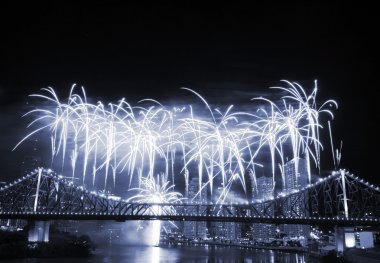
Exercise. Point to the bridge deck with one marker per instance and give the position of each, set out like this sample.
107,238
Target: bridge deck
183,217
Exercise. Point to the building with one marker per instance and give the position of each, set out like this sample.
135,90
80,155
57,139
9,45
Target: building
196,229
226,230
69,226
364,240
233,229
295,181
263,191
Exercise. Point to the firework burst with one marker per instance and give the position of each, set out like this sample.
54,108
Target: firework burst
141,141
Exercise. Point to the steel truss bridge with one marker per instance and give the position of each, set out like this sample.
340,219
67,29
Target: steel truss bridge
341,199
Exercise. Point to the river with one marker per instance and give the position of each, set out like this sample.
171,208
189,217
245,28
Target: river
179,253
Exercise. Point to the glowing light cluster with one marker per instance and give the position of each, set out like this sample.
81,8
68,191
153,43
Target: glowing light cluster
142,141
157,192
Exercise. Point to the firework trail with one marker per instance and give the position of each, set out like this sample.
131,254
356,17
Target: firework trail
140,141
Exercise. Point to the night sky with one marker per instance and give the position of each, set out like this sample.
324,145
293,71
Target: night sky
228,53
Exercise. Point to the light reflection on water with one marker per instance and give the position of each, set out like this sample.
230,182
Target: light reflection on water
155,255
179,253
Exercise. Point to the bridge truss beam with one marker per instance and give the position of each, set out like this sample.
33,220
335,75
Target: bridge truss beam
339,199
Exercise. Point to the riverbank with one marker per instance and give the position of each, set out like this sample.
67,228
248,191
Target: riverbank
15,245
362,255
213,243
319,257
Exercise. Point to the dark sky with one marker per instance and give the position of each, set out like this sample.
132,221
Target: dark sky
135,52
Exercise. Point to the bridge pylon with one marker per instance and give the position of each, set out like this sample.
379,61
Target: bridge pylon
38,231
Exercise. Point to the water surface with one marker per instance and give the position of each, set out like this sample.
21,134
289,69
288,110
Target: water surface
179,253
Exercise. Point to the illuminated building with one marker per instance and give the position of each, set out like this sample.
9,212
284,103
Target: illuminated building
226,230
295,181
196,229
264,190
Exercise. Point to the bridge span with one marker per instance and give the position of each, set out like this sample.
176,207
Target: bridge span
340,199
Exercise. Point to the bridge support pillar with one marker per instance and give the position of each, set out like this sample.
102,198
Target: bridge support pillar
38,231
339,240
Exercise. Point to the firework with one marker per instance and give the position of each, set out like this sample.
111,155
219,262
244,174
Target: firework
141,141
156,192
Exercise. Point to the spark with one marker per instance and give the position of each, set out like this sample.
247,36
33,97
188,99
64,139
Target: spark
140,141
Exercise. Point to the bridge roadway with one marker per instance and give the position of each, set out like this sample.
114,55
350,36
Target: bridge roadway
332,221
